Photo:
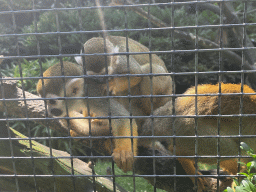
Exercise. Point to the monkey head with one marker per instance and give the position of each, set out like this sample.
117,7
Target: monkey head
97,63
55,88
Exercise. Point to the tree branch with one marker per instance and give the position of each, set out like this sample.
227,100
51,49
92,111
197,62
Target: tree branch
45,169
231,18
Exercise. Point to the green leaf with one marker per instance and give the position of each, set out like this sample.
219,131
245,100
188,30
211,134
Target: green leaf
254,156
228,190
252,186
246,184
245,147
245,174
242,163
240,189
253,164
248,165
236,182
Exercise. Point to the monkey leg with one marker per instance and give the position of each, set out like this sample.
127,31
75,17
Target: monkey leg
189,167
120,84
158,85
125,149
230,166
119,65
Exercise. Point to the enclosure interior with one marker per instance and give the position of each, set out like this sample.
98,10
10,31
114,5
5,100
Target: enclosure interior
208,45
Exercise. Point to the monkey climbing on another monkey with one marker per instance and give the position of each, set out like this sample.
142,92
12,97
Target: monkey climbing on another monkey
124,149
118,64
208,125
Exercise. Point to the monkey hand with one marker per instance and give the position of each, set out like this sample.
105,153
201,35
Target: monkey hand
73,133
113,86
123,158
98,122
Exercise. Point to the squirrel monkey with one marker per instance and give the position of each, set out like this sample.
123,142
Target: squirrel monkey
209,105
124,149
208,126
137,64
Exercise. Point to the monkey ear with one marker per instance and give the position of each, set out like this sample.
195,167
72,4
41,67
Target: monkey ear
75,87
115,49
79,59
115,58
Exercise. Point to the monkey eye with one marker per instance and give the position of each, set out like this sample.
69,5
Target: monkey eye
52,102
74,91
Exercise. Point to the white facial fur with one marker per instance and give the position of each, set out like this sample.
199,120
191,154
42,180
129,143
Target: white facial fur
79,59
74,88
54,107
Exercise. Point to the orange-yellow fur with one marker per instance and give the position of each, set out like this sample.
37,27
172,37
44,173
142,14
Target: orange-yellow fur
207,126
208,105
123,151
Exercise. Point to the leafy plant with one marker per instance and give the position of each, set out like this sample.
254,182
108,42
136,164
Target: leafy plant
32,69
248,184
8,70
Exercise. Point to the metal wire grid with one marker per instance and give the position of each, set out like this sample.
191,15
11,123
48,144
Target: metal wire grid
197,50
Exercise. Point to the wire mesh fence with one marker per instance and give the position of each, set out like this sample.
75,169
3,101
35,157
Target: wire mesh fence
125,95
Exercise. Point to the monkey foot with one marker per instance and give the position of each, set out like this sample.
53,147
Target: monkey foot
201,184
73,133
123,159
112,87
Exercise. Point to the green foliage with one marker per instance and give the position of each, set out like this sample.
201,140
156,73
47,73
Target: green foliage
141,184
31,69
8,71
161,40
68,22
250,16
115,19
6,43
248,184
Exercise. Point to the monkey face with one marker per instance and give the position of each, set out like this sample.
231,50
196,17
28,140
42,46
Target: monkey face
55,106
60,106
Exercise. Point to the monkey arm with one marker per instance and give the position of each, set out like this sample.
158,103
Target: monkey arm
97,127
160,84
157,85
125,148
82,127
